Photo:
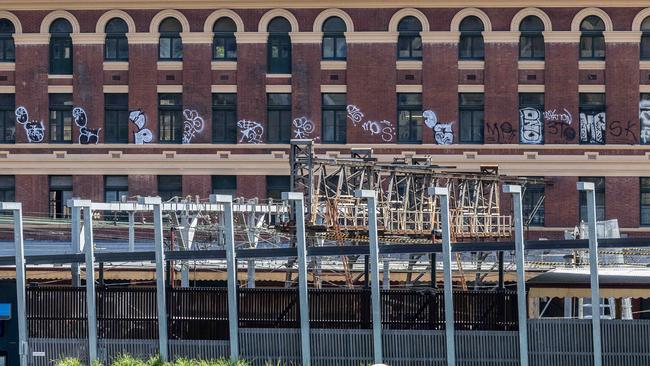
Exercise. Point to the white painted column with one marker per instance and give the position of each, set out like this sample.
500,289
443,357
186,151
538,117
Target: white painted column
21,303
89,249
131,231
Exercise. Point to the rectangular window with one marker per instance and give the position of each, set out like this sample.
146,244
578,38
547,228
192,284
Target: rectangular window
279,54
224,118
61,54
645,201
116,47
60,118
116,118
644,118
7,118
170,47
224,47
409,117
279,118
334,46
60,193
471,118
334,117
224,184
170,186
116,187
275,185
593,118
533,205
170,118
7,48
599,184
531,118
7,188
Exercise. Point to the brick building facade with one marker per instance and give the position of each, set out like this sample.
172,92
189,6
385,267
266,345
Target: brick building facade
203,96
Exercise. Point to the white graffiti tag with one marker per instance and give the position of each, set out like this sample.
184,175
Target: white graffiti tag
644,117
355,114
592,128
34,130
303,128
532,131
86,135
383,128
442,132
192,125
553,116
251,131
140,119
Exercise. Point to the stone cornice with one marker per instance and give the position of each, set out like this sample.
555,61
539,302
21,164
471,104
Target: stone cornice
501,37
251,37
561,37
142,38
622,37
31,39
197,37
306,37
440,37
87,38
371,37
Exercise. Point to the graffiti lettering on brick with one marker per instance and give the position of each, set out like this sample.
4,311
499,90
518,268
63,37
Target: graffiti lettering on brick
192,125
502,133
355,114
592,127
383,128
86,135
563,116
443,133
531,126
251,132
35,130
142,135
303,127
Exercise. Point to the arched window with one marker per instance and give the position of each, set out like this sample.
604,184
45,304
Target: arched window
592,41
471,39
279,46
409,43
7,48
170,46
224,45
645,39
531,41
60,47
334,46
116,47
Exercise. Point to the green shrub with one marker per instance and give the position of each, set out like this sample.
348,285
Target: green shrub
69,362
127,360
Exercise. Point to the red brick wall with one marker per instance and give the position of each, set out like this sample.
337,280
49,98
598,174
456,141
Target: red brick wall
622,200
143,185
197,185
440,85
33,191
561,91
251,83
90,187
88,90
561,207
142,85
622,96
501,95
197,91
31,85
305,83
251,186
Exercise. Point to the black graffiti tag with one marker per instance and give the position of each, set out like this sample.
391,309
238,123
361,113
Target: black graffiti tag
563,130
505,133
617,129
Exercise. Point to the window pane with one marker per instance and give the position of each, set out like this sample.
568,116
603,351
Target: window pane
328,47
334,99
165,48
341,47
279,99
525,47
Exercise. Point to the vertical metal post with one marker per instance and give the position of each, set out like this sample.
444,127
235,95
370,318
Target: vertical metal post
131,231
75,237
501,272
90,278
231,267
297,200
160,273
19,246
370,197
589,190
443,193
386,281
521,274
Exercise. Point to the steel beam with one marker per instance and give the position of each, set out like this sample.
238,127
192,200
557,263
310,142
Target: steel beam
89,249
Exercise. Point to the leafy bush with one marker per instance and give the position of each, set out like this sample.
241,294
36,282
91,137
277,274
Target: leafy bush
127,360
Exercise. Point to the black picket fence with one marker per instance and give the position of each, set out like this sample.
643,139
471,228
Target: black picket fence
202,313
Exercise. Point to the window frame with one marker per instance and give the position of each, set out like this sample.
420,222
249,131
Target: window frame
335,37
232,190
7,43
173,38
414,132
176,113
592,35
643,190
63,112
530,198
121,120
283,111
645,36
52,203
408,38
538,106
8,119
600,192
592,109
117,39
115,188
226,110
279,65
8,192
228,38
271,188
472,109
176,192
477,42
532,36
59,41
339,118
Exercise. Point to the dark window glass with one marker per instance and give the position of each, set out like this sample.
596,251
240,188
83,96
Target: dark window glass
7,118
279,118
116,187
592,40
334,118
60,193
224,118
533,205
409,117
531,118
7,188
116,47
60,47
170,45
275,185
645,39
224,184
409,42
224,45
279,46
531,41
170,186
60,117
334,45
170,118
7,46
644,118
116,118
599,183
593,118
471,45
645,201
471,118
